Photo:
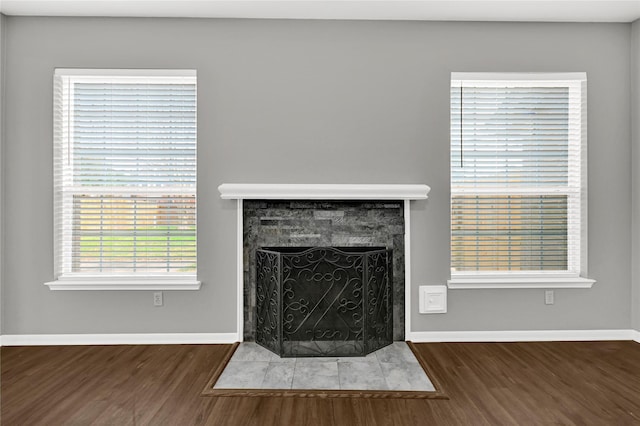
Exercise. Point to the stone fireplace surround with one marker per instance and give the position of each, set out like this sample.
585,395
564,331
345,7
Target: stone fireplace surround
315,223
335,192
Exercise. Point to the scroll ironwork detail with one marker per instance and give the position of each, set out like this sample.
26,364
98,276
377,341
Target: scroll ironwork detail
324,301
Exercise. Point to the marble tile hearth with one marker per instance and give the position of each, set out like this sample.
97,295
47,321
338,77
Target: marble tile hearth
391,368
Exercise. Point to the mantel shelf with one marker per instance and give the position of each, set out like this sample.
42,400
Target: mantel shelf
265,191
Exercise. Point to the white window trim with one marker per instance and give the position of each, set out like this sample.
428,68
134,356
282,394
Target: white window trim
124,282
134,73
522,282
519,280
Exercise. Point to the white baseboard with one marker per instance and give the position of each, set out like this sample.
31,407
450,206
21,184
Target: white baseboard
521,335
116,339
221,338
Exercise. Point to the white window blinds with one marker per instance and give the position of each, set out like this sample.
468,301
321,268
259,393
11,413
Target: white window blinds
517,193
125,172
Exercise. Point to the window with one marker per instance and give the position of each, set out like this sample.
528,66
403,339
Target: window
518,174
125,179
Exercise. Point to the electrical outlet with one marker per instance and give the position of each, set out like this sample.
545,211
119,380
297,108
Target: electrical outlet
548,297
157,299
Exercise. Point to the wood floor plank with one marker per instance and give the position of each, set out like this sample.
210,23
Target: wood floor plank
538,383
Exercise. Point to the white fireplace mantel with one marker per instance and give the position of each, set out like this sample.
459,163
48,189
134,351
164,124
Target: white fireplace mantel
268,191
364,192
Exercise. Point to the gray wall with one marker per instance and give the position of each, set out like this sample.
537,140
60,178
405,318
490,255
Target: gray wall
312,101
635,143
2,38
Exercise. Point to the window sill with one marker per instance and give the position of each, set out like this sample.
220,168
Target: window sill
479,283
150,283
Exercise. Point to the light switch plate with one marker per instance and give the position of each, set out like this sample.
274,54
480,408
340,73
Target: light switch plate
433,299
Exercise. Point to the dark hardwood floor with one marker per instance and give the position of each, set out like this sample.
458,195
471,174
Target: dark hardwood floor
581,383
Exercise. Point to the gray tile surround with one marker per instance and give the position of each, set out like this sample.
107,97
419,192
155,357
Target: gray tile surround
356,375
243,374
316,375
279,375
391,368
323,223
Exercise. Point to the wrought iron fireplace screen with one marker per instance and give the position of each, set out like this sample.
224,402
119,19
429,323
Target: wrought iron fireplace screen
324,301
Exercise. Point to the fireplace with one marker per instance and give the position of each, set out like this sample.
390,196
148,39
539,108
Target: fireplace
250,198
324,301
322,223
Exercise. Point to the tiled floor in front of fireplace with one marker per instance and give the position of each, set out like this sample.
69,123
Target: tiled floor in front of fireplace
391,368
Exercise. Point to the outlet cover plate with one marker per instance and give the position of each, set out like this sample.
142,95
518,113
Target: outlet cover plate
158,299
433,299
549,297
